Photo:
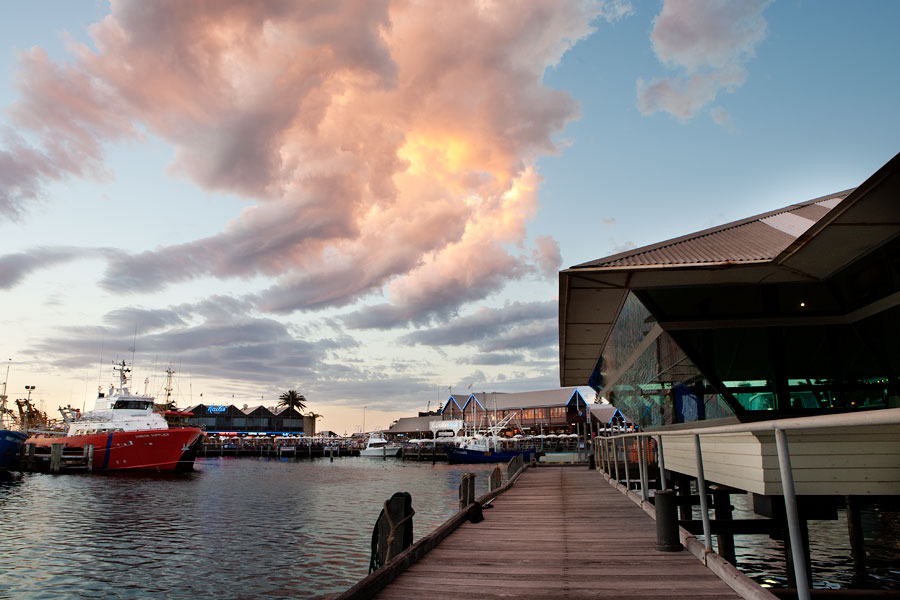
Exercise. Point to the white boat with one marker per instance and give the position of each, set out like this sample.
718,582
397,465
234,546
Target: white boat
379,446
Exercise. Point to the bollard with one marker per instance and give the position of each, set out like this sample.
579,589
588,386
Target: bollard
56,451
667,539
592,462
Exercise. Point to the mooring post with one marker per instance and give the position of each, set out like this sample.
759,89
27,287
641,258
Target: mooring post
466,490
793,516
30,453
89,456
704,501
433,451
667,539
331,450
55,457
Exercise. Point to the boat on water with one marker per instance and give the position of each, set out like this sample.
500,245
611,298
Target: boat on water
379,446
127,433
488,447
11,439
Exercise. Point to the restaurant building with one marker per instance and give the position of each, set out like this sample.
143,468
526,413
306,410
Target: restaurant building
789,313
220,419
546,411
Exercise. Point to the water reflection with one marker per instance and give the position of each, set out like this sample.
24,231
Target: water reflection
762,558
235,528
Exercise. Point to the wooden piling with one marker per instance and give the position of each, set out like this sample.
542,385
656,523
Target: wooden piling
56,457
89,457
857,540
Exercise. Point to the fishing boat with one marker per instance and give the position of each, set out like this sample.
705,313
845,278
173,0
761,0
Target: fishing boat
127,433
11,439
379,446
487,447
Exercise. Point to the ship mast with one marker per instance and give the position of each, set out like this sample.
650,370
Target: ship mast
169,373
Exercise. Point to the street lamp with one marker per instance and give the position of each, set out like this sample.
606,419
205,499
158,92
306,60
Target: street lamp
364,419
29,389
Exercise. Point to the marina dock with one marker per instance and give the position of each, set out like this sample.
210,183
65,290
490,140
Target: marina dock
560,532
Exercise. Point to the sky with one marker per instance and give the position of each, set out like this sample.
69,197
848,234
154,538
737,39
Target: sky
369,201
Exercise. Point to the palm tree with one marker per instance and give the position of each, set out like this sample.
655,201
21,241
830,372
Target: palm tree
293,400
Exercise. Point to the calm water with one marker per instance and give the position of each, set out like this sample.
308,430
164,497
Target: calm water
234,528
762,558
250,528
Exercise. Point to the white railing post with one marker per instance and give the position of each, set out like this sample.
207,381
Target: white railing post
704,501
793,516
644,465
625,462
662,463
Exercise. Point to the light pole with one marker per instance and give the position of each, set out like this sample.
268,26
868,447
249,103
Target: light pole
29,389
364,419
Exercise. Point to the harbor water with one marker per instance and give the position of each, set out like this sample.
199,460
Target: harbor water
234,528
251,528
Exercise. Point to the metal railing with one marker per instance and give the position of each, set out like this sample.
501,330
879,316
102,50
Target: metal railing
780,427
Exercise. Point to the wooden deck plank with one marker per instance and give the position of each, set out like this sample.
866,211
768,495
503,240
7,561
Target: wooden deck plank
558,533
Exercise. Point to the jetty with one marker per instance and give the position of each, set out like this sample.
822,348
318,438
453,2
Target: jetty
560,532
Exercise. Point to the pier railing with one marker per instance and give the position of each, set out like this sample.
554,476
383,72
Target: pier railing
609,448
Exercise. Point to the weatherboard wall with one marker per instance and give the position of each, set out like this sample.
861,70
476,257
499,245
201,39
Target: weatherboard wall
835,461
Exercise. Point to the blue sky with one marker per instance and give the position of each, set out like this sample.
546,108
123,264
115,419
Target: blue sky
374,217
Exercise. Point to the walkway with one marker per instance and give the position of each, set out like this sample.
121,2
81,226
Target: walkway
560,532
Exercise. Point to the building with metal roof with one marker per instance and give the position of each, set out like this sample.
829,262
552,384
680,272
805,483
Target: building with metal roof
546,411
795,311
259,420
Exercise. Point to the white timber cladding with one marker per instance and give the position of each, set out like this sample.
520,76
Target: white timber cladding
844,460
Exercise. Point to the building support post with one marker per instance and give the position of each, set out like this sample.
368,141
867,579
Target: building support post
722,507
857,540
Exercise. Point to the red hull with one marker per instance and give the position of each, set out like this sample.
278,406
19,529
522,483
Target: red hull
147,450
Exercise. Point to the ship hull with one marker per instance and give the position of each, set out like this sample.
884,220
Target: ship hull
466,456
147,450
10,443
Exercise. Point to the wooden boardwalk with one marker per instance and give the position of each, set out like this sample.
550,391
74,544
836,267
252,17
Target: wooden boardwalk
560,532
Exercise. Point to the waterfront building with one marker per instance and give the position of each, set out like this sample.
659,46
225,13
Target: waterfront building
790,313
260,420
544,411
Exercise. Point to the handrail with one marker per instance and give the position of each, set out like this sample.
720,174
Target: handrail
881,416
778,427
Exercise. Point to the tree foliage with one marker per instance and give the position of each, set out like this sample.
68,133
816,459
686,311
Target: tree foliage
293,399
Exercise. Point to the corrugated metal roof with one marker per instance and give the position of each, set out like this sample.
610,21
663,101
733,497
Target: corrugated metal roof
758,238
513,400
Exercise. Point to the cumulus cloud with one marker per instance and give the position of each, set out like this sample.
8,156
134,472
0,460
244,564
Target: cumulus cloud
709,41
516,326
388,146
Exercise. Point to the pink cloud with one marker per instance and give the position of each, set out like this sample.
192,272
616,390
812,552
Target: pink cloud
389,146
709,41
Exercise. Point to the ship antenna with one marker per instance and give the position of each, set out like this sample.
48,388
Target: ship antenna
7,378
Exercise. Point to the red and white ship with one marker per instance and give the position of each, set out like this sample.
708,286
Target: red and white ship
127,433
